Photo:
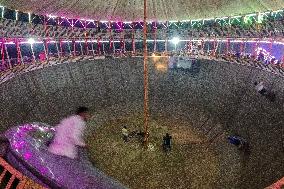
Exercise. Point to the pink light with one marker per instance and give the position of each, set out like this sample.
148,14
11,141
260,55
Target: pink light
43,170
151,40
27,155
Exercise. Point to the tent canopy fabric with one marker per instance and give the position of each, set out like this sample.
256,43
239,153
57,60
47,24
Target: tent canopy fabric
132,10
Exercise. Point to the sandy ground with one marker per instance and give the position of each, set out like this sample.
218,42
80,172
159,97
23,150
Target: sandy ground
190,164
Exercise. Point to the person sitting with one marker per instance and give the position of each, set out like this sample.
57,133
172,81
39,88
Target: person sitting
167,146
125,134
69,134
140,135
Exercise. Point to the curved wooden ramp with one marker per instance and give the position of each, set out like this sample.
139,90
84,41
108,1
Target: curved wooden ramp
277,185
11,178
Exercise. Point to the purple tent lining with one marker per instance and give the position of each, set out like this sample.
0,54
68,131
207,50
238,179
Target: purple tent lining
65,172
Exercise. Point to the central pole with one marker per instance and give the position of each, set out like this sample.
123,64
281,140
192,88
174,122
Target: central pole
146,84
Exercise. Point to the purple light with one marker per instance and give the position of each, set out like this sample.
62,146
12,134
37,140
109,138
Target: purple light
43,170
27,155
18,145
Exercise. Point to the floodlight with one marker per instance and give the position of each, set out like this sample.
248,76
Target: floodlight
31,41
175,40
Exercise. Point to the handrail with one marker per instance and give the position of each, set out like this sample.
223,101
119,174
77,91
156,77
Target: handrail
24,182
277,185
30,66
51,183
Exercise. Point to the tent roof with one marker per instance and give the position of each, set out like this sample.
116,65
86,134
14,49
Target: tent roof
132,10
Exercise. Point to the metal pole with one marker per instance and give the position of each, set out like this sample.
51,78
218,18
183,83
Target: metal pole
155,37
74,47
146,84
19,54
45,48
33,53
92,43
2,52
57,48
7,54
133,39
166,42
81,47
69,47
99,46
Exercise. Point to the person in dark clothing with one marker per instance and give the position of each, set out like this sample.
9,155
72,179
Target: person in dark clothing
237,141
167,144
140,136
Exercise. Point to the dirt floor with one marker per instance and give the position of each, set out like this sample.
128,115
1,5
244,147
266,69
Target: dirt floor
190,164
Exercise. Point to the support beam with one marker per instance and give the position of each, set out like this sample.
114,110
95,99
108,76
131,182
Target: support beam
146,84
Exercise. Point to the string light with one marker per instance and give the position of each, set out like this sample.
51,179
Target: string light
30,17
248,19
175,40
31,41
3,9
259,18
16,14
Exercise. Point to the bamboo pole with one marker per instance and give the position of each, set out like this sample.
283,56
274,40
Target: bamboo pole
146,84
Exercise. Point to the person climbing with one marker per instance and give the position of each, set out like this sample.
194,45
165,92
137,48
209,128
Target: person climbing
167,144
261,89
125,134
259,86
69,134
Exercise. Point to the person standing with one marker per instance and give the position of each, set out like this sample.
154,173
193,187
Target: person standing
69,134
167,143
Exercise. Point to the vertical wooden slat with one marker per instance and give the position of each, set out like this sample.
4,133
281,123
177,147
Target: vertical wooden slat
24,182
3,174
146,78
10,182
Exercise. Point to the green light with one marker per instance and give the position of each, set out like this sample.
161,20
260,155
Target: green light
259,18
247,20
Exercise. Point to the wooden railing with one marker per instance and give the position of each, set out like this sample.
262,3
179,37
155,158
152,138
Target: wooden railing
11,178
277,185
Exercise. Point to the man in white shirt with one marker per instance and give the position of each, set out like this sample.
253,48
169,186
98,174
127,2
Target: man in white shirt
69,134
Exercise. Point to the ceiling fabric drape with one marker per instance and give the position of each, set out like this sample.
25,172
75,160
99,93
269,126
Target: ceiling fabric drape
132,10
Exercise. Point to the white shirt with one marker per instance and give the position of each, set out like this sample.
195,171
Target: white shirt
124,132
68,135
